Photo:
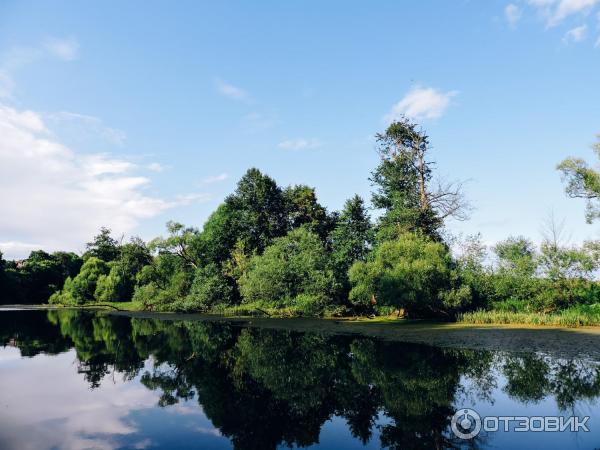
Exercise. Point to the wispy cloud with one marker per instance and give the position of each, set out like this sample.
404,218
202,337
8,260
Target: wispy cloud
555,11
65,49
421,103
155,167
299,144
91,124
215,178
230,91
575,35
19,57
512,13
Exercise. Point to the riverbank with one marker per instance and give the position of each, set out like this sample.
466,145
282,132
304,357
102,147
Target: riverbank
554,340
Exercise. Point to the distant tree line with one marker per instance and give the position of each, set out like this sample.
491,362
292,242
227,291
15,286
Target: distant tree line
268,247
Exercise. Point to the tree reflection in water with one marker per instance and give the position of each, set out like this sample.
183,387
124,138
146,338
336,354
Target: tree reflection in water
264,388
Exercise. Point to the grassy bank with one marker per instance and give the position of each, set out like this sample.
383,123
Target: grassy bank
573,317
581,316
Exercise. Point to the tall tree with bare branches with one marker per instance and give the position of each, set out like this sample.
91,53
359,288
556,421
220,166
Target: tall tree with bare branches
412,198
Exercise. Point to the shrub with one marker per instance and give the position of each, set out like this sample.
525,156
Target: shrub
409,272
294,271
81,289
209,288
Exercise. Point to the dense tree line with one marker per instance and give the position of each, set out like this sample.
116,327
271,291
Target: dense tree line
35,279
268,247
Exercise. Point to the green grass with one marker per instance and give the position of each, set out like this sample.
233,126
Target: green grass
585,315
258,309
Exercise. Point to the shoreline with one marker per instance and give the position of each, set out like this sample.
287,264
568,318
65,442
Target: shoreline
556,341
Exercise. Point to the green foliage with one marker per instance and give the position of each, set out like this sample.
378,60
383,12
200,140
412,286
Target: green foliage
279,248
351,241
81,289
35,279
401,179
259,211
583,182
409,272
209,288
516,256
560,262
294,271
179,242
112,287
103,246
303,209
218,236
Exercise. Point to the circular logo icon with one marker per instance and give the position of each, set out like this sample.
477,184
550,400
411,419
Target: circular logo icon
466,423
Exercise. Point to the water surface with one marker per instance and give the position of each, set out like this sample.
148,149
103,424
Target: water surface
82,380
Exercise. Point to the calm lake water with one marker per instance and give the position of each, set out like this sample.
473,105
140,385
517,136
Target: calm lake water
81,380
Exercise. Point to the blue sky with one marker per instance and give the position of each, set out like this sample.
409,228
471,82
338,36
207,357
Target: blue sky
128,114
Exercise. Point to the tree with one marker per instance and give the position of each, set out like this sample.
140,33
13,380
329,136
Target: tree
517,256
409,272
583,182
4,288
351,240
179,243
294,271
113,287
515,279
103,246
163,283
69,262
118,285
218,236
258,209
303,209
209,288
406,190
82,288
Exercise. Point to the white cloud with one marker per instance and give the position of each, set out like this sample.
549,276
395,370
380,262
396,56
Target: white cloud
512,13
90,124
58,198
421,103
555,11
299,144
575,35
567,7
155,167
231,91
597,44
215,178
65,49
